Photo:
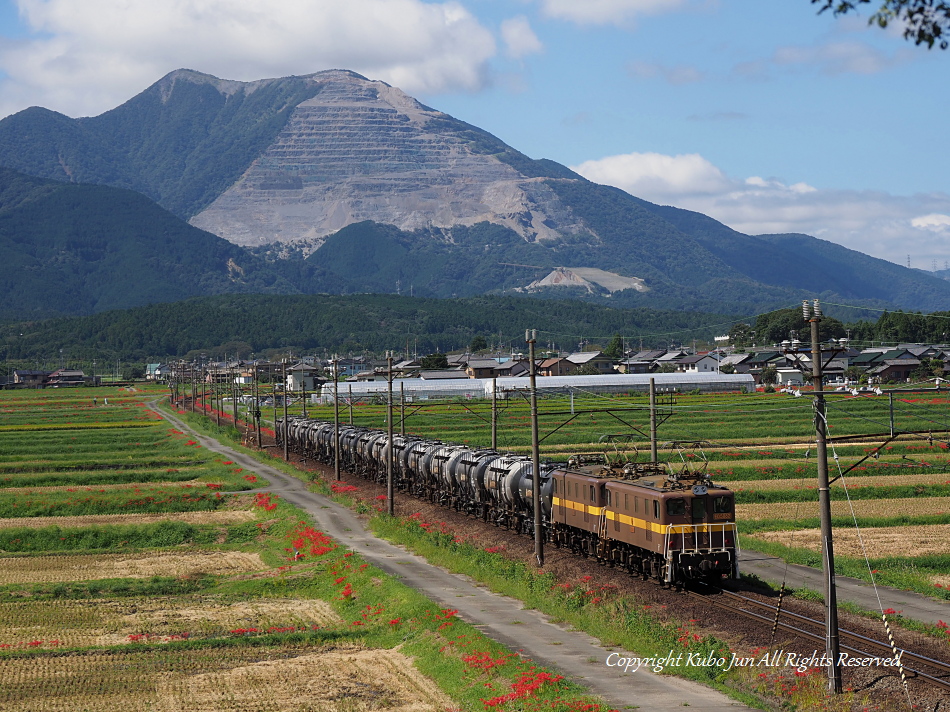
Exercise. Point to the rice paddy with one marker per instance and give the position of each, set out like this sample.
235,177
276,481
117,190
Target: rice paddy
134,575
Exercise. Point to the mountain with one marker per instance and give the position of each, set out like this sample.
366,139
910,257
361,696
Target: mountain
338,183
71,249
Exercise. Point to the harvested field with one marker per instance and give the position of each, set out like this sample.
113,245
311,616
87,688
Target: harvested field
336,678
86,567
878,541
72,623
98,488
90,520
908,506
931,478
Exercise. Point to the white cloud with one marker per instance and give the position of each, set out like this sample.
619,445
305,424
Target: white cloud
655,176
874,222
519,38
602,12
680,74
839,57
85,56
934,222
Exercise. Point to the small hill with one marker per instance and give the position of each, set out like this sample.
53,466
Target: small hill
84,248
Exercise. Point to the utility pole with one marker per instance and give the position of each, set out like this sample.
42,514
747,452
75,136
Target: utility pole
234,397
402,408
531,336
890,406
494,414
285,429
389,429
257,408
336,418
654,455
812,314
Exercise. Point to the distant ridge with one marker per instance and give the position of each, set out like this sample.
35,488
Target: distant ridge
339,183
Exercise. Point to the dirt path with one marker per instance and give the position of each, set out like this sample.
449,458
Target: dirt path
573,653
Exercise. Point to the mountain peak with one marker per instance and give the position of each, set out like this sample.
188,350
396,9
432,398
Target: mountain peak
360,149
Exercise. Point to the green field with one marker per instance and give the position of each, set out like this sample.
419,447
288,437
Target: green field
761,445
134,574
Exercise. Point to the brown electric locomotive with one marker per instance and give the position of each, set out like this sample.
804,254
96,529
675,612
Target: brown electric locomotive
666,525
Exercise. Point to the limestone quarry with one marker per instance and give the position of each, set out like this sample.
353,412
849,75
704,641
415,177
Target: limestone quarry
363,150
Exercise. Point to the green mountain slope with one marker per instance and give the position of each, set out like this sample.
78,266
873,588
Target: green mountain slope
186,139
81,248
181,142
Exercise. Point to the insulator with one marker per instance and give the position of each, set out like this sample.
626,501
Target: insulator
817,308
806,310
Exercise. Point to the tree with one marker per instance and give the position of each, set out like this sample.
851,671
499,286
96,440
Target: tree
740,334
775,327
478,343
853,373
615,347
666,368
727,368
434,361
769,376
925,21
588,369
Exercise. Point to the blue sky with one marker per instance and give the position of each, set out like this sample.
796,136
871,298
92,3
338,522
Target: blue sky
762,114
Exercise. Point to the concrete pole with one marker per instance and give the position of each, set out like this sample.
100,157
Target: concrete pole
654,456
389,425
257,409
494,414
285,430
336,419
832,643
531,336
234,397
890,404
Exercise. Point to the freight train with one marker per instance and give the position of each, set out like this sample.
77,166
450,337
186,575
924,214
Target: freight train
647,518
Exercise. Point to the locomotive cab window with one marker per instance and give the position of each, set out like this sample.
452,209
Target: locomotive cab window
675,507
722,505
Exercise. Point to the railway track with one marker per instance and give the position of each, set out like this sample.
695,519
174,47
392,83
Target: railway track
934,672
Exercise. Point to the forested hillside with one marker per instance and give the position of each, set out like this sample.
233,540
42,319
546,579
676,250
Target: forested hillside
344,324
85,248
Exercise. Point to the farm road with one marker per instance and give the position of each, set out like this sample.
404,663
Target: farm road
908,604
574,654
